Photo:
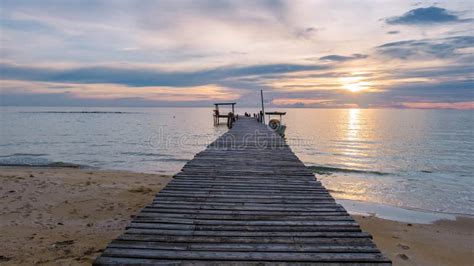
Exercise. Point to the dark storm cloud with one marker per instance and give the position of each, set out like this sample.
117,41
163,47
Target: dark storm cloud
426,16
341,58
427,48
145,77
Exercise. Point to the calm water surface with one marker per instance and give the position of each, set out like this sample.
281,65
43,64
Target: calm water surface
409,158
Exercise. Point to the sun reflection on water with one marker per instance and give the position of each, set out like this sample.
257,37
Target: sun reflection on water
398,144
353,145
353,124
355,148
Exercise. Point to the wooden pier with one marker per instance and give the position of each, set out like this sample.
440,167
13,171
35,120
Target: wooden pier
245,200
218,115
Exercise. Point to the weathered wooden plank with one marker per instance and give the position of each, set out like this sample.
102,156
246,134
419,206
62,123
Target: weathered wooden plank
312,196
103,260
304,228
363,241
283,188
243,247
248,204
307,180
253,182
204,191
247,212
182,232
146,217
215,203
243,200
254,217
251,256
263,179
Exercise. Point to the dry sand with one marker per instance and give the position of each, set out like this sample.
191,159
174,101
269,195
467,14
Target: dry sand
64,216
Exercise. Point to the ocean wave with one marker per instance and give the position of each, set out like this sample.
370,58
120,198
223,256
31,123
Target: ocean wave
335,191
100,145
326,170
52,165
33,160
165,160
175,160
23,155
147,154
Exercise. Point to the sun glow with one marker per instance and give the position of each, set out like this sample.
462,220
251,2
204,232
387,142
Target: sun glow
354,84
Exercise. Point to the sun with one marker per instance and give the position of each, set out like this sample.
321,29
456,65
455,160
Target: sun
354,84
353,87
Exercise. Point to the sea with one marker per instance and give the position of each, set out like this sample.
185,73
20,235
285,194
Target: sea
411,159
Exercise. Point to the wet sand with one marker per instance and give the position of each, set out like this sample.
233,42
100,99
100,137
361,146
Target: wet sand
67,216
444,242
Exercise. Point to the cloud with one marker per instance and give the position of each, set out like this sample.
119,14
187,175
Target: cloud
447,91
166,31
35,93
439,105
341,58
311,103
427,48
450,72
143,52
137,77
306,33
425,16
67,99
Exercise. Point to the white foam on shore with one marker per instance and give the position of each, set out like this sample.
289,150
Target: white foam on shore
394,213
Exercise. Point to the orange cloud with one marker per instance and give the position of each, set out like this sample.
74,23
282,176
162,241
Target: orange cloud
116,91
291,101
430,105
304,102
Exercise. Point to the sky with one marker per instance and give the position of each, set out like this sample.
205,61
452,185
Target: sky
322,54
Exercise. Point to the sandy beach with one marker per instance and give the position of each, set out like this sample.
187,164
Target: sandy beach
67,216
441,243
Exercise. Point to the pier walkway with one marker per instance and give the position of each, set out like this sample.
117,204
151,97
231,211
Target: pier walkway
246,199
